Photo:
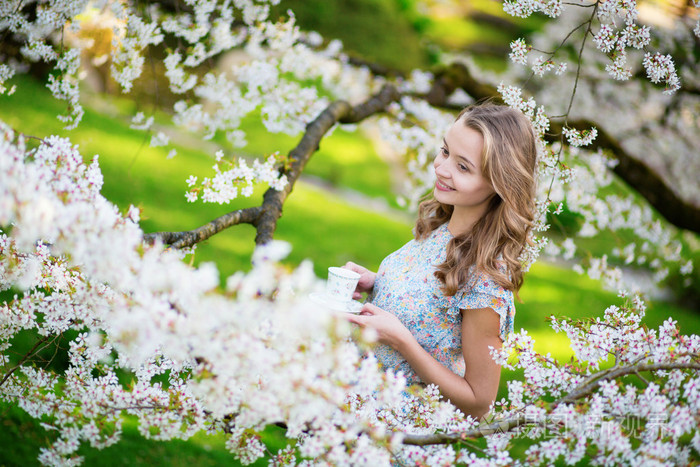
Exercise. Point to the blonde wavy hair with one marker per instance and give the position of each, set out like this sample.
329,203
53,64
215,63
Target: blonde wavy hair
495,242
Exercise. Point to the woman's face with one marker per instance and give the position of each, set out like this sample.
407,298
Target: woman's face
460,182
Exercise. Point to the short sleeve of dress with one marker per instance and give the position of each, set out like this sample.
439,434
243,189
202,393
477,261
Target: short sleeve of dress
485,293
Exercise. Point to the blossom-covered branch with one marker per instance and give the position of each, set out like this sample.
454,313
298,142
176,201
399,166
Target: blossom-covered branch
265,216
584,390
618,371
337,112
682,213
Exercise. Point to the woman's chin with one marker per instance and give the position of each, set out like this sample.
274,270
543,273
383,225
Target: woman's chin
441,196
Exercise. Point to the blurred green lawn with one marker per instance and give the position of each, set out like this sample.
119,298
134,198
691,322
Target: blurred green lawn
318,224
381,31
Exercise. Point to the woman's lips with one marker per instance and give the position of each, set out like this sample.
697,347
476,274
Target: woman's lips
442,187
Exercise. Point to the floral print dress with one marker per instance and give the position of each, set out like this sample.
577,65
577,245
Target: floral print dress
406,286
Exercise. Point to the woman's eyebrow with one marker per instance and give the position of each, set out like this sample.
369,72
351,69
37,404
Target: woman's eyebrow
467,161
444,141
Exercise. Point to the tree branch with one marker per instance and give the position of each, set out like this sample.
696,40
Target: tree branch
456,76
336,112
456,437
190,237
24,358
588,387
265,216
376,69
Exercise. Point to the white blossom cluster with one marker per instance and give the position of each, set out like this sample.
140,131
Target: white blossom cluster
612,38
520,54
269,80
525,8
518,51
418,81
261,353
140,122
616,413
6,73
40,32
660,68
131,37
237,178
580,138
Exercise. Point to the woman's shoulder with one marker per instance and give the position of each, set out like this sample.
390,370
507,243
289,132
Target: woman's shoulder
485,292
482,282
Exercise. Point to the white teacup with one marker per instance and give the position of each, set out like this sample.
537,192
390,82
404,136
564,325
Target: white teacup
341,284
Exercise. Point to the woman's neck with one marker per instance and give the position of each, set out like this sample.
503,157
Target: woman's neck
462,221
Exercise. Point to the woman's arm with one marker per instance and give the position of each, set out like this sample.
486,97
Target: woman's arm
473,393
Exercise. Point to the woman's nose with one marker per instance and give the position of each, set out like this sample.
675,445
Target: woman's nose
441,168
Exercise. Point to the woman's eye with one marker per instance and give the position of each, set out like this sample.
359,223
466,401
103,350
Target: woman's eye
463,168
444,151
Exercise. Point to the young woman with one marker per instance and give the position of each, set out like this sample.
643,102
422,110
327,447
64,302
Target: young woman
443,300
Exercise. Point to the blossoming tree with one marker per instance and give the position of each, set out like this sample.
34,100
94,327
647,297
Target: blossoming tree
258,353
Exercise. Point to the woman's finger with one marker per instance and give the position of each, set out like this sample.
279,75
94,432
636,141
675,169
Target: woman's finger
369,309
353,267
355,319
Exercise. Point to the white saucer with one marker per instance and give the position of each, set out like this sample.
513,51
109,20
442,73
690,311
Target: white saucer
353,306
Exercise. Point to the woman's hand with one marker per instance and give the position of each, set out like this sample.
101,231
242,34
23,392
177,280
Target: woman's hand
366,283
390,330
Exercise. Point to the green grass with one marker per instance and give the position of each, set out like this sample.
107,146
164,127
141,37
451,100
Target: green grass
376,30
554,291
462,32
479,29
401,34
